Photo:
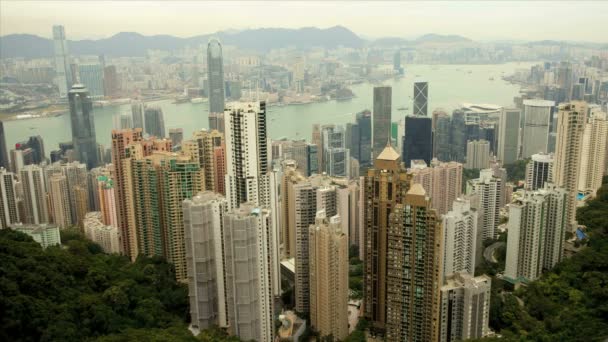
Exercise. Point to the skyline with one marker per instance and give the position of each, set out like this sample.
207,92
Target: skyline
501,20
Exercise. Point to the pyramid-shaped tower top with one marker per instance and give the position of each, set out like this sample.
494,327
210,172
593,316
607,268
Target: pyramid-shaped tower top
388,153
388,159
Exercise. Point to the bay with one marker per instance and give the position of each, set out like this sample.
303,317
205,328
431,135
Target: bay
449,86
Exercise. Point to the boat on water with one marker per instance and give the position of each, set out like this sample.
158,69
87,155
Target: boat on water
198,100
181,99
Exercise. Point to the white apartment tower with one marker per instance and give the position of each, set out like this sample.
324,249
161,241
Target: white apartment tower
8,200
489,189
593,153
537,226
460,238
478,154
34,195
539,171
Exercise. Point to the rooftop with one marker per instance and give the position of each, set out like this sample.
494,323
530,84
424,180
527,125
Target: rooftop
388,153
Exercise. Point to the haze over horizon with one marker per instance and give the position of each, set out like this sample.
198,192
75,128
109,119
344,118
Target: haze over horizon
474,20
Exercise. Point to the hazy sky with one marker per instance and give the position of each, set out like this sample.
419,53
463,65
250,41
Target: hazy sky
560,20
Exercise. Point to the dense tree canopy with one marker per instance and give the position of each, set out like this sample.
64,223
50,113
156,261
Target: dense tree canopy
77,293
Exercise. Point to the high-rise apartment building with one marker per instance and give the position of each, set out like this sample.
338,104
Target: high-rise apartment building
3,152
442,181
154,122
385,186
478,154
215,77
537,226
91,75
489,190
328,254
107,200
102,234
61,208
8,199
45,234
418,139
381,119
34,195
414,269
508,135
539,171
63,73
571,120
249,262
465,307
208,149
460,238
204,241
83,126
536,120
421,99
593,153
247,159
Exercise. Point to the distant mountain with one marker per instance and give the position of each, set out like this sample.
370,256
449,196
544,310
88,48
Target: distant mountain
390,41
135,44
439,38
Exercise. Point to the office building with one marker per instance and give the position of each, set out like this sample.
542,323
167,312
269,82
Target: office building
571,120
418,139
458,137
478,154
122,120
203,235
91,75
249,262
465,307
8,199
83,126
102,234
137,113
328,250
111,81
539,171
421,99
384,186
45,234
537,229
63,73
508,135
489,190
215,77
593,153
414,244
34,195
381,119
61,209
247,159
176,135
208,149
154,122
460,238
4,162
536,123
364,149
442,181
33,150
442,137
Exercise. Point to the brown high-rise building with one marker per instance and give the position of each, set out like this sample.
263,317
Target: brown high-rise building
207,148
385,186
328,252
414,269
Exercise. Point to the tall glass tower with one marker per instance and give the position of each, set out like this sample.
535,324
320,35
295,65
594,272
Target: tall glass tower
83,126
421,96
381,119
63,73
215,72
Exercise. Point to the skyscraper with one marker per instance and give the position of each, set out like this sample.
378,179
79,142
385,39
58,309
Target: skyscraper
328,277
91,75
442,181
385,186
418,139
83,126
537,226
458,138
593,153
489,190
442,138
60,201
34,195
381,119
460,235
478,154
215,76
154,122
8,199
571,122
208,149
539,170
537,118
3,152
176,135
63,73
465,307
137,112
414,269
508,136
249,262
246,153
421,98
364,124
